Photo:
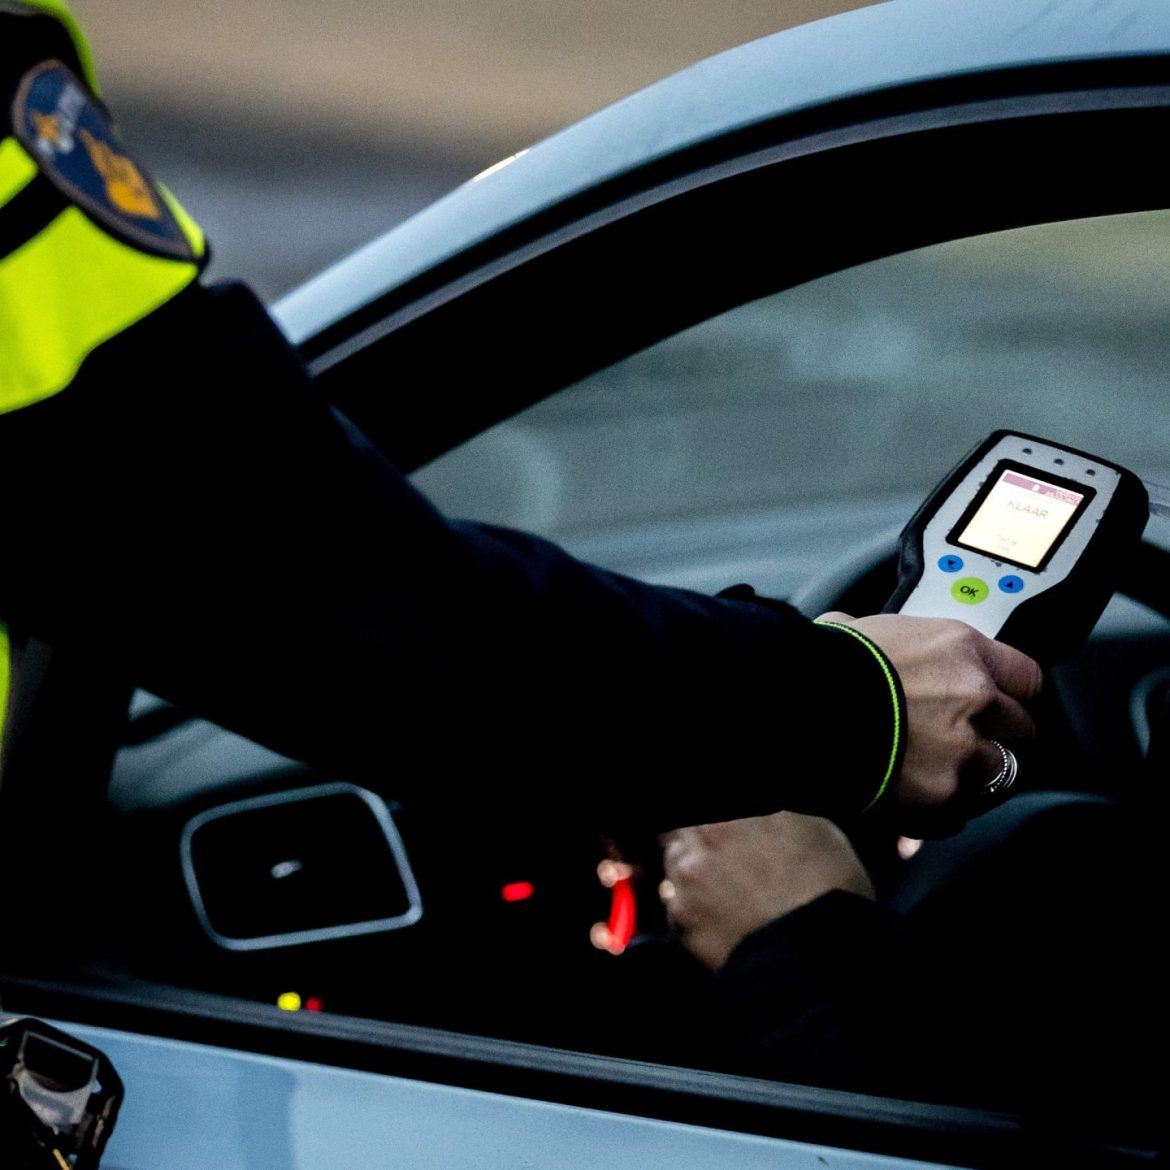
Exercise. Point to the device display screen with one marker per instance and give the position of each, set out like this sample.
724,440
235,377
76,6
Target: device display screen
1021,518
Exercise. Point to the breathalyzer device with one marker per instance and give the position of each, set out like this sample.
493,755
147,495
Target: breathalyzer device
1025,540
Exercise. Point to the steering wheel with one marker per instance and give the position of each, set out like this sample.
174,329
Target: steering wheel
861,581
857,583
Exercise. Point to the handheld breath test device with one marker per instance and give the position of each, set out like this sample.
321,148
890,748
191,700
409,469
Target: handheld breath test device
1024,540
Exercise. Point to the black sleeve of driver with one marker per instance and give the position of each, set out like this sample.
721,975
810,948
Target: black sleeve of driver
192,510
840,993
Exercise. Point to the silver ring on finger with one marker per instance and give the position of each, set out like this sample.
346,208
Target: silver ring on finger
1006,776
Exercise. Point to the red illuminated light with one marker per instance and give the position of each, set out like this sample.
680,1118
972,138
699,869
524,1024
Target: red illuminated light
517,891
313,1004
622,916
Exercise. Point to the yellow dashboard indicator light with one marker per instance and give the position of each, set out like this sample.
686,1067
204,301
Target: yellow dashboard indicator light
288,1001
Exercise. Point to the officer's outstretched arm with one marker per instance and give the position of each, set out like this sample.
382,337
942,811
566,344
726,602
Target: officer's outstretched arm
181,503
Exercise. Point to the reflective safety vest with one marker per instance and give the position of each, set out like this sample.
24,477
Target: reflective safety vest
89,242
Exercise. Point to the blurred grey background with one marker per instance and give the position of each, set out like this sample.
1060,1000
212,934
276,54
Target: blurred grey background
296,130
758,446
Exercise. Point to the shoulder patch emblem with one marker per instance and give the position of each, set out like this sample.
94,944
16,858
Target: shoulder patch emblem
68,132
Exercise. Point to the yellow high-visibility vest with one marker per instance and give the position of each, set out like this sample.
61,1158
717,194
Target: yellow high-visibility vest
89,243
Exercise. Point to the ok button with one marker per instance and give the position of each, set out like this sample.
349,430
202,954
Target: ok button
969,591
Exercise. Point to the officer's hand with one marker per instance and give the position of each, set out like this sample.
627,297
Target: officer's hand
962,691
726,880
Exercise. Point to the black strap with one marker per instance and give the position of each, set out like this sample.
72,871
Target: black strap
29,36
28,213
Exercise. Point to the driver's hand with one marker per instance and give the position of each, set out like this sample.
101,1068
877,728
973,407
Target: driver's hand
725,880
963,691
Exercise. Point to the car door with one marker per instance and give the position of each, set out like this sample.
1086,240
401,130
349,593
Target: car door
629,263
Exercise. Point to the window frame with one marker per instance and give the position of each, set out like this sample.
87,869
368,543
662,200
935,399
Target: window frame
604,275
1067,137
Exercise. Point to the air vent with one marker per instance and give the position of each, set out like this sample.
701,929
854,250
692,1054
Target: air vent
304,866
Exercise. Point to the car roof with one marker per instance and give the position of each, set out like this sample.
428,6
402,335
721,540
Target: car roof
895,44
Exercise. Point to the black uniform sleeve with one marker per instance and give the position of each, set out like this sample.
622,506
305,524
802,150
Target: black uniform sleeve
192,511
1024,978
835,993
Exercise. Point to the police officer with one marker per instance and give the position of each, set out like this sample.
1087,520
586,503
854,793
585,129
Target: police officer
181,503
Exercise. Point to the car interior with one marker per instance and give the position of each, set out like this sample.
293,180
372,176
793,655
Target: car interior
755,404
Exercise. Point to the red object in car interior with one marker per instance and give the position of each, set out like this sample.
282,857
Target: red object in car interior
623,915
517,891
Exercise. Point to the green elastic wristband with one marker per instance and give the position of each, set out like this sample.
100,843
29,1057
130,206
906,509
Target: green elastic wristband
5,675
892,682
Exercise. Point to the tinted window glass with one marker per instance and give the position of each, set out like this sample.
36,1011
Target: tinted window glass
851,393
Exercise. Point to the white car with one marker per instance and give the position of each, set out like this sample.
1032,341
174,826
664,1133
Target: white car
731,328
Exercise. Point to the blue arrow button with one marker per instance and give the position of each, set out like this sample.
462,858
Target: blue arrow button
1011,584
951,563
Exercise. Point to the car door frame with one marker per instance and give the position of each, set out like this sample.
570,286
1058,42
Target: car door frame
605,273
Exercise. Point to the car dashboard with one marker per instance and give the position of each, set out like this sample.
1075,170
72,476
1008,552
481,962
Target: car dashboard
235,870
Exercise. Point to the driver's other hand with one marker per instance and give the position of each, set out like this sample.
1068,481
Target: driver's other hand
963,691
725,880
